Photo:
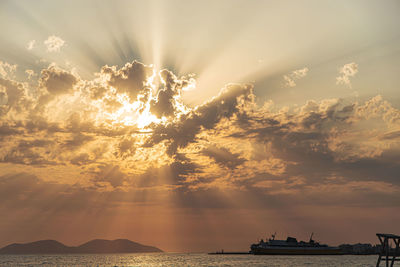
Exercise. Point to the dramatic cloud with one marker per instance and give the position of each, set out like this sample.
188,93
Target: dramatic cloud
347,71
130,79
295,75
232,100
131,120
166,103
223,156
53,43
57,81
126,148
126,138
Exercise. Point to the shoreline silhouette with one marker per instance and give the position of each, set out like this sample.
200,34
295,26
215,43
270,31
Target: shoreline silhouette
96,246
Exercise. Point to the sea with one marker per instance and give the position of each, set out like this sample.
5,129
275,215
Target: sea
184,259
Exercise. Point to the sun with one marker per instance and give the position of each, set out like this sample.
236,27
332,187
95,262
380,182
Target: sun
135,114
138,111
145,119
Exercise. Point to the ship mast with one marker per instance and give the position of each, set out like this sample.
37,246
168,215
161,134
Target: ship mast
273,236
311,237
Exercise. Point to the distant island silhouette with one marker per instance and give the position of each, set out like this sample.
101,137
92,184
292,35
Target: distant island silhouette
96,246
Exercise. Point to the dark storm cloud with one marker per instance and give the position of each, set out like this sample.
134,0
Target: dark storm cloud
164,104
276,151
57,81
30,152
130,79
76,141
169,95
231,101
313,143
36,123
223,156
7,129
81,159
175,173
110,174
126,148
385,168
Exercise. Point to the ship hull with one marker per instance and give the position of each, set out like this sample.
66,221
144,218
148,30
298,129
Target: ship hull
296,251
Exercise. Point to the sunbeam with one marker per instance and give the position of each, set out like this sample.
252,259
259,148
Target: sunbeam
197,126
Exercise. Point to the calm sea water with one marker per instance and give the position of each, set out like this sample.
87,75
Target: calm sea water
174,259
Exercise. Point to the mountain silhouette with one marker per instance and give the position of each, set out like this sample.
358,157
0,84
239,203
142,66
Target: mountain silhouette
38,247
94,246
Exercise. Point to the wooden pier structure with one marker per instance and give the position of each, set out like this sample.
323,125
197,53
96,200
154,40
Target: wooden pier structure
387,253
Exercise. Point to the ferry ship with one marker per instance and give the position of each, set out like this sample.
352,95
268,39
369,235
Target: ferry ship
291,246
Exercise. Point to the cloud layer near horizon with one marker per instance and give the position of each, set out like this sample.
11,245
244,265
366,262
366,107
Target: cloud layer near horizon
127,138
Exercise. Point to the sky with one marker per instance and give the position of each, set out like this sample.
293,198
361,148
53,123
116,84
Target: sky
199,125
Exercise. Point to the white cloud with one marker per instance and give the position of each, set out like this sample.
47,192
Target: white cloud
295,75
347,71
289,82
7,70
300,73
54,43
30,45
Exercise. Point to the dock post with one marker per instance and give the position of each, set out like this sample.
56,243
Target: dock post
387,251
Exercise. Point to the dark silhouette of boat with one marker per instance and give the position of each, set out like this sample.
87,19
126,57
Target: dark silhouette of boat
291,246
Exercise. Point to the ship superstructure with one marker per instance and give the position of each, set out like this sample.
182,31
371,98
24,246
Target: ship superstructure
291,246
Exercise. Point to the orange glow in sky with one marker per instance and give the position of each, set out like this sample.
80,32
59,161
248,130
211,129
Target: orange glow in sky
196,126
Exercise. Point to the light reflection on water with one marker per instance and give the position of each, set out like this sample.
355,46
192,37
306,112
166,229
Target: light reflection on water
191,259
